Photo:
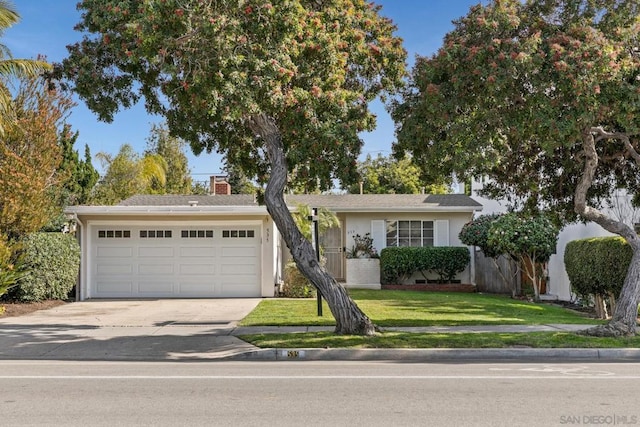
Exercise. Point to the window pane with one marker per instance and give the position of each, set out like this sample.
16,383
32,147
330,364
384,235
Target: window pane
184,233
159,233
209,233
102,234
427,242
242,233
225,233
251,233
152,233
167,233
234,233
200,233
127,233
109,233
192,233
143,234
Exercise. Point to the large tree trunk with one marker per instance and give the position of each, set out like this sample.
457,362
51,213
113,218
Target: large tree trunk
350,320
625,316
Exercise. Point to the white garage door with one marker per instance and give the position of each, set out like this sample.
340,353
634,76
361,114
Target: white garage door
156,261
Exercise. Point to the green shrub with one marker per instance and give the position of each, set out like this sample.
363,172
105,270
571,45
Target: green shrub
53,260
295,284
597,266
399,263
476,233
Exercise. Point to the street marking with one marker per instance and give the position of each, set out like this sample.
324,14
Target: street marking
316,377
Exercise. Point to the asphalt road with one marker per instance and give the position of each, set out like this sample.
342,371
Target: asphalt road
76,393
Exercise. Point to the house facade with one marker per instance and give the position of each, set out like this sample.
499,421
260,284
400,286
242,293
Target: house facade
222,245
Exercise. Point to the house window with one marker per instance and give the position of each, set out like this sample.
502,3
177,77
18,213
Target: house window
409,233
243,234
114,234
152,234
196,234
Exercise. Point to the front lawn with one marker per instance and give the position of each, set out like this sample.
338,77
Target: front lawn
406,308
437,340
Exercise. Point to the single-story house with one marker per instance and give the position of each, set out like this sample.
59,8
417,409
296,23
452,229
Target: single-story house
223,245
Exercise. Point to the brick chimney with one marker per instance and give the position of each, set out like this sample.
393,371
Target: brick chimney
218,185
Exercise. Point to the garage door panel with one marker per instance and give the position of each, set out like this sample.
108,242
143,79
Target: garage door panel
197,269
242,270
165,268
197,252
109,269
123,287
155,288
154,251
114,251
239,252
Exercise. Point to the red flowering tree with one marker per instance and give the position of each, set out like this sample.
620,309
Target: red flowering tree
544,98
277,87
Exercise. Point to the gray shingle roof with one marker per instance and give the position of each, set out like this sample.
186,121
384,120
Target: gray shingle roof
329,201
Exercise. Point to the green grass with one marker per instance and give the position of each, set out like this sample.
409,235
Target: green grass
437,340
405,308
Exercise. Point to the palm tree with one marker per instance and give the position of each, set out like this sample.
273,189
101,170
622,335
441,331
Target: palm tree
10,67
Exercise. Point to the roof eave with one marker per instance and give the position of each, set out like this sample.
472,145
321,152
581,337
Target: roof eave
165,210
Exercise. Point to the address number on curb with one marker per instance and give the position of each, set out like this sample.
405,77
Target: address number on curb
293,354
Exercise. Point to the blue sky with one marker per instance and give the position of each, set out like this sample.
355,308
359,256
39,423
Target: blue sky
47,27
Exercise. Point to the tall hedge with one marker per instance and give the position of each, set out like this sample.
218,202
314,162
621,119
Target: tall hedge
52,260
399,263
597,266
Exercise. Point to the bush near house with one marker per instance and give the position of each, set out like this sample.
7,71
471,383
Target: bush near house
295,284
399,263
52,260
597,267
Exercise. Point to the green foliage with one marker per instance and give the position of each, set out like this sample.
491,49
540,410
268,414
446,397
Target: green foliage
11,266
210,67
326,220
79,175
399,263
597,266
176,168
295,284
53,260
30,157
385,175
238,181
515,89
518,236
476,233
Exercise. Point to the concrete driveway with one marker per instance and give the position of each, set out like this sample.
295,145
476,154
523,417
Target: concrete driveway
168,329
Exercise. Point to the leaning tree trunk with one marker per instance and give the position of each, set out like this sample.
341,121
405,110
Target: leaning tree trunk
350,320
625,316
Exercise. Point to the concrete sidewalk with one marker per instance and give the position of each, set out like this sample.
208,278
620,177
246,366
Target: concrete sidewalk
190,330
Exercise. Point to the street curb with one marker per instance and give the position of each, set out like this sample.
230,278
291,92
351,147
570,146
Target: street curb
441,354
